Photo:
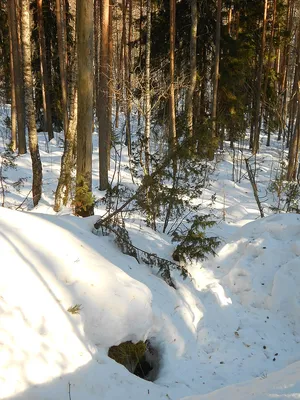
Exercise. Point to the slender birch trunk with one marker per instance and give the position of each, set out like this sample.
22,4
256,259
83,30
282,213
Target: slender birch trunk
28,85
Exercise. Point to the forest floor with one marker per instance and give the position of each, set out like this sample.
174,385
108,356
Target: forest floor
232,332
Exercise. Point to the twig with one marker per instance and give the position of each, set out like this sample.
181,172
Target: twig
70,391
24,200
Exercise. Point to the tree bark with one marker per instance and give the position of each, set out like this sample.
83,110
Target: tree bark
13,91
295,137
104,128
128,63
44,72
61,34
257,112
18,77
147,91
172,112
216,70
28,85
68,158
85,27
193,67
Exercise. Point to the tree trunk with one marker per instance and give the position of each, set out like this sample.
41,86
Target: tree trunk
295,137
147,91
61,35
257,113
110,79
128,81
67,161
284,69
104,128
28,84
18,77
44,72
85,26
172,111
13,92
216,70
193,67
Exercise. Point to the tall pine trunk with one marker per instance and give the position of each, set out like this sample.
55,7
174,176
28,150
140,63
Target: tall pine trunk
62,53
13,93
28,85
18,77
172,112
216,71
44,72
147,90
193,67
85,27
103,112
257,110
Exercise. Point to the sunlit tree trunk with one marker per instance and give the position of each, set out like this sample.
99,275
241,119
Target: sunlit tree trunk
128,81
104,125
147,90
62,194
28,85
85,30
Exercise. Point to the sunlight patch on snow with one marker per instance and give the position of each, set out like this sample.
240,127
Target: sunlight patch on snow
219,292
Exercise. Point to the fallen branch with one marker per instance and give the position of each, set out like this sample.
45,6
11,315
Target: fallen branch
153,260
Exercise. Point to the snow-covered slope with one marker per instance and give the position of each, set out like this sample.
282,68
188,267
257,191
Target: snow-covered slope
281,385
238,320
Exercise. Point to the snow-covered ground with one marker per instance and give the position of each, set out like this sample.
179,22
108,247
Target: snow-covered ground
233,332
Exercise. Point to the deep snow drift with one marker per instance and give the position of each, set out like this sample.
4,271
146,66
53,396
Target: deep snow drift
240,318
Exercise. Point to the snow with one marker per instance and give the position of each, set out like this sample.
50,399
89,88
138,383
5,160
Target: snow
233,331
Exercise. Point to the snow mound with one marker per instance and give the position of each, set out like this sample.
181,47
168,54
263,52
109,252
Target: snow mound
260,264
238,319
46,270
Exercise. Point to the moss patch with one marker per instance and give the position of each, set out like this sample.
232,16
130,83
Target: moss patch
128,354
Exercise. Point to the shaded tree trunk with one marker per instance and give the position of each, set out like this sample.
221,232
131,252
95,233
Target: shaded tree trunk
18,77
44,72
172,111
257,110
13,93
61,39
193,67
216,70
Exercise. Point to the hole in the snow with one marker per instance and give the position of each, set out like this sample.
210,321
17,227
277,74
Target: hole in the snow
141,359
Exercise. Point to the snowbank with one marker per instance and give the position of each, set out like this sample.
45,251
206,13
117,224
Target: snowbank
281,385
237,320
